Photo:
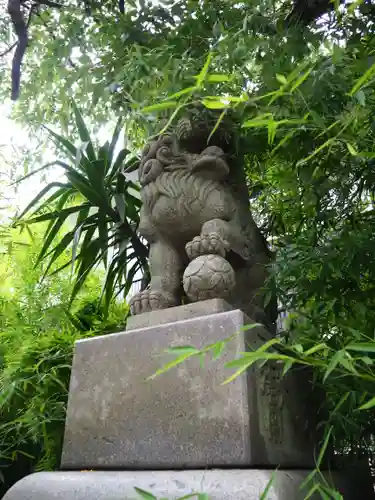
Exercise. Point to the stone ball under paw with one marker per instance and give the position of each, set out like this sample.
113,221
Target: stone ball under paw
208,277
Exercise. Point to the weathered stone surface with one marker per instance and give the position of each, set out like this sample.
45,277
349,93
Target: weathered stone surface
208,276
217,484
187,311
196,207
184,418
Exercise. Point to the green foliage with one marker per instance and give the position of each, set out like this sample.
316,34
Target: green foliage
37,338
105,208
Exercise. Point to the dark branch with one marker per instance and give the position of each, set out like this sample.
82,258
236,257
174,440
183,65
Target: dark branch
306,11
15,10
9,49
20,27
88,7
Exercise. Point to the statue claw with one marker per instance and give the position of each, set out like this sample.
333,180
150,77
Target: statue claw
206,244
149,300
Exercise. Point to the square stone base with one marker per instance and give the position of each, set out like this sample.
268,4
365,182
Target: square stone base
216,484
184,418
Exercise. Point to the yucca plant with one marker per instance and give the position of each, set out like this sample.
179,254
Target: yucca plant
104,207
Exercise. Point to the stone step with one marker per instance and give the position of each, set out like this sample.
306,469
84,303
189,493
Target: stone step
171,485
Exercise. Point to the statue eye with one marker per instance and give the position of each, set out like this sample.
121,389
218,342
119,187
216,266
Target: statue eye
151,169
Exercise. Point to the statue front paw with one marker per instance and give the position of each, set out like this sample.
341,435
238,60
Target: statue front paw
149,300
207,244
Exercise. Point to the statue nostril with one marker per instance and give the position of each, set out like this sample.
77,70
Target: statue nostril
147,167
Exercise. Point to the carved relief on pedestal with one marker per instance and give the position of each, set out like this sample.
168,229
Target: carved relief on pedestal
271,403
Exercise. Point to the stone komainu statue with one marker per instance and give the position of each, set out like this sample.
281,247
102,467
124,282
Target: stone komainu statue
203,240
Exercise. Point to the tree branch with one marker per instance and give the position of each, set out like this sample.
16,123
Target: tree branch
20,27
9,49
15,10
306,11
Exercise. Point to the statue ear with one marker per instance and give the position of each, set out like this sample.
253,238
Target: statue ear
211,165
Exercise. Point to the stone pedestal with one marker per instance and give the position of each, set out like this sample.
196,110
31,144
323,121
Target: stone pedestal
184,418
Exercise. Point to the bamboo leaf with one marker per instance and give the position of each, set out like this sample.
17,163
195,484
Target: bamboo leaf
363,79
312,490
281,79
218,349
284,140
323,449
361,347
287,366
341,402
214,104
172,364
267,489
354,5
368,405
228,98
237,373
217,124
315,348
309,478
351,149
301,79
267,345
159,106
188,90
335,360
202,75
326,144
183,350
190,495
250,358
145,494
218,78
